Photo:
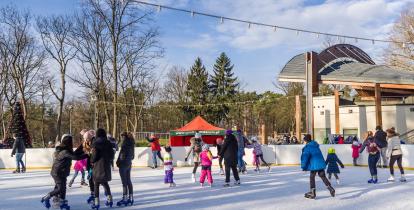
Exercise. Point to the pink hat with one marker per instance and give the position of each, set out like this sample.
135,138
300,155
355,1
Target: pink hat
89,135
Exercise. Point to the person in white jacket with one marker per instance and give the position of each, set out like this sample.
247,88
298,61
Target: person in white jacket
394,153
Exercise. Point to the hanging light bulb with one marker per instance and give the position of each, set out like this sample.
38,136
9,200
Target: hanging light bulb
274,28
250,25
297,33
317,35
159,8
221,20
192,13
373,41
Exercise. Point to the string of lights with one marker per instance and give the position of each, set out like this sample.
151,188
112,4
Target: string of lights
275,28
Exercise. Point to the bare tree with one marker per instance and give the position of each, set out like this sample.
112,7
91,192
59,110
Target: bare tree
54,32
175,86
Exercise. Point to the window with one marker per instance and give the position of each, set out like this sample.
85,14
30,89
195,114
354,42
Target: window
412,109
322,112
350,132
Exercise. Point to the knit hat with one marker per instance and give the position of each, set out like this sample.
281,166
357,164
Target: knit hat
206,147
197,135
66,141
89,135
167,148
331,150
254,139
229,132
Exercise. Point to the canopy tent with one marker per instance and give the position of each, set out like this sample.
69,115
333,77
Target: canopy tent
182,136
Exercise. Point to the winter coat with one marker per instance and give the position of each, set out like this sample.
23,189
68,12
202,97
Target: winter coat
18,146
206,158
195,148
394,146
312,158
355,149
127,153
257,148
241,141
229,150
155,144
381,138
102,157
340,140
372,146
62,161
332,161
80,165
168,161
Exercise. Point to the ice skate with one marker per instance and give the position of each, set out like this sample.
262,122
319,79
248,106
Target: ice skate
109,201
338,182
226,184
83,183
237,182
201,184
131,200
90,199
55,202
70,183
46,201
391,179
64,205
95,204
269,169
23,170
16,171
172,184
124,201
402,179
221,171
331,191
193,178
311,194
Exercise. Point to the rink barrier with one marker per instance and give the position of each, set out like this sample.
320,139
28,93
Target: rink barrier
277,155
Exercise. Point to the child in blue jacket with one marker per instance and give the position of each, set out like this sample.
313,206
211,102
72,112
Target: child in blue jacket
332,161
312,160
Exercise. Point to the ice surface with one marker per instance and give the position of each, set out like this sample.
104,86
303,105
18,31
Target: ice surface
283,188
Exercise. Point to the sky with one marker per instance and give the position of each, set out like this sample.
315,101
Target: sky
258,53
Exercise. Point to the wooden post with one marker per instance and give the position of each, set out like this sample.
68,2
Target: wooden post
298,116
263,134
337,125
311,87
378,105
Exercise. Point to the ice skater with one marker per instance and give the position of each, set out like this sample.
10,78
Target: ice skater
241,144
394,153
155,149
168,167
373,156
102,157
206,161
332,161
62,162
219,144
19,149
195,148
124,163
79,167
88,139
356,146
258,154
312,160
229,151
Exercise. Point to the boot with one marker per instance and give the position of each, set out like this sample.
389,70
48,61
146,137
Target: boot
331,191
16,171
23,170
402,179
109,201
193,177
91,198
70,183
391,179
311,194
371,181
95,204
237,182
375,180
64,205
46,201
131,199
124,201
226,184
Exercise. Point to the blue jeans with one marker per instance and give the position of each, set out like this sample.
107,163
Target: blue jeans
76,174
19,161
154,157
240,161
372,163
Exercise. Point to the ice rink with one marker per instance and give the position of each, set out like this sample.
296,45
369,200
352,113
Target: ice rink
283,188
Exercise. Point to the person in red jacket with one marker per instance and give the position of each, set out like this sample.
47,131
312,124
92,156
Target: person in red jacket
156,149
340,140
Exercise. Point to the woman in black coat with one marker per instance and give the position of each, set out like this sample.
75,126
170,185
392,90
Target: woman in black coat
62,162
124,163
102,157
229,153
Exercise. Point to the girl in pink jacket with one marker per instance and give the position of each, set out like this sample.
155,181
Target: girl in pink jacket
80,166
355,150
206,159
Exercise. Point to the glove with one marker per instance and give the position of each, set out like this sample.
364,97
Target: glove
185,159
342,166
11,155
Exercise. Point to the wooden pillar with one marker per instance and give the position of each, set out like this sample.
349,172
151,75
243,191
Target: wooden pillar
298,117
378,105
337,125
263,134
311,87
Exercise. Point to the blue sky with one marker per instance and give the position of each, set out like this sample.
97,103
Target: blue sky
257,53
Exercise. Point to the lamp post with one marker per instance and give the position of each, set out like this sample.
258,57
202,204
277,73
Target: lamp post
70,108
95,118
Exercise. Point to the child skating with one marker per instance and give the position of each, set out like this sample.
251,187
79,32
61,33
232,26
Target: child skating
356,146
258,154
206,161
332,161
79,167
168,167
373,156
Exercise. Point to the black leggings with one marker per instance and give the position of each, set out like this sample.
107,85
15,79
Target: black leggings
196,164
261,158
233,167
221,162
397,158
321,174
125,173
60,188
106,187
335,175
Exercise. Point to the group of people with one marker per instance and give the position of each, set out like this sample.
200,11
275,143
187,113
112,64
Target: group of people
96,157
386,144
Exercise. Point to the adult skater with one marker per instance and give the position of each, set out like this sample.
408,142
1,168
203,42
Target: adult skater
373,156
62,162
312,160
229,152
395,154
195,148
155,149
241,144
219,144
19,149
381,139
102,157
88,139
124,163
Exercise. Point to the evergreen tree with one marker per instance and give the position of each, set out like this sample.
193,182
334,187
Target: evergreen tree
197,88
18,126
223,86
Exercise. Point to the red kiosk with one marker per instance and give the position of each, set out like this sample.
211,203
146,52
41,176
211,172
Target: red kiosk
182,136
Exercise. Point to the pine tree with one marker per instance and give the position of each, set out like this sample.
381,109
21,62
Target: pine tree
223,86
18,126
197,88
